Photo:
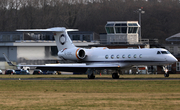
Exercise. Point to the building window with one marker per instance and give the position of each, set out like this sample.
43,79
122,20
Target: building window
177,66
169,67
106,56
86,38
110,28
178,50
15,37
121,28
76,37
5,37
132,29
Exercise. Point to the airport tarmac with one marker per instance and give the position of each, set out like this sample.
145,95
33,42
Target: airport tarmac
138,79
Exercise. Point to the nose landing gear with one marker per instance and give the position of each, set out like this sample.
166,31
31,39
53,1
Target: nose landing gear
91,74
166,74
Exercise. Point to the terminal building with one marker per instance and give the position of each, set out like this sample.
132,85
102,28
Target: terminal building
37,48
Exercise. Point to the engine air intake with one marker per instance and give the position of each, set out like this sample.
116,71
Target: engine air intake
80,54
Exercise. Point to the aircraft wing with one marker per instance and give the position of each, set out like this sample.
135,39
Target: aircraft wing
72,67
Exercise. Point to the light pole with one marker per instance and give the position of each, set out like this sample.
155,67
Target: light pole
140,11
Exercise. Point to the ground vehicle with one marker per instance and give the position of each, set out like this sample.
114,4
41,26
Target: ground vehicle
0,71
51,72
18,71
24,72
37,71
10,71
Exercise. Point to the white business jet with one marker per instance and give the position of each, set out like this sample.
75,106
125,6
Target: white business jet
100,58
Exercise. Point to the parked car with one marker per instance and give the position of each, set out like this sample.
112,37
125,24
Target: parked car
58,72
24,72
37,71
51,72
0,72
18,71
10,71
44,72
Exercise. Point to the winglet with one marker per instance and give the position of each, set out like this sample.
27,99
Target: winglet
8,61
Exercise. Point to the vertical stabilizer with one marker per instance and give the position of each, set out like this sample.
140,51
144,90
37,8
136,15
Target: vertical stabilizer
63,40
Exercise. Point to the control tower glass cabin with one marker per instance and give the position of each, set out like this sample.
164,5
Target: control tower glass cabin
122,32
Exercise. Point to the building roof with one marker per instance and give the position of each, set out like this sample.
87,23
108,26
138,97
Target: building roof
175,37
38,43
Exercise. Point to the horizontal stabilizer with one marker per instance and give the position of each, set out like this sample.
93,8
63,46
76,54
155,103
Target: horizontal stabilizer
55,29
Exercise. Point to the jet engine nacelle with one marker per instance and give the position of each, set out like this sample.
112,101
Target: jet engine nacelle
72,54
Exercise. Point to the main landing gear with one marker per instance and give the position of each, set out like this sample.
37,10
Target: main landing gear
91,74
115,76
166,74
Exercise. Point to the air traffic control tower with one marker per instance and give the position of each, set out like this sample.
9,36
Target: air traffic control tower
122,32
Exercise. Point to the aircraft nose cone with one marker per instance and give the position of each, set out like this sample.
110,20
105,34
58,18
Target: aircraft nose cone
174,59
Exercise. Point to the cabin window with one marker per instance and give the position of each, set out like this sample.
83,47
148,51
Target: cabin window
129,56
158,52
135,56
123,56
106,56
112,56
140,56
117,56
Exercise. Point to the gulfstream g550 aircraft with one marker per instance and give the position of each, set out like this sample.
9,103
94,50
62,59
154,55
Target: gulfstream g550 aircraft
100,58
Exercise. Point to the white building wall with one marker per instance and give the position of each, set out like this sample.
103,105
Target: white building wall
31,53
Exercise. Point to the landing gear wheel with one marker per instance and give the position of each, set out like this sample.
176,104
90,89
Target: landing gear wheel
91,76
166,75
115,76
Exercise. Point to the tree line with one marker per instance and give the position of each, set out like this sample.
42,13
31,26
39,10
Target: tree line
160,20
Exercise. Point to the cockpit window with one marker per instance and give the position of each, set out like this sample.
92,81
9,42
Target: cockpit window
168,52
164,52
158,52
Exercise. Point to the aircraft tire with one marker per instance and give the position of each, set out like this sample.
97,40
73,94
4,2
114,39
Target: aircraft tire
115,76
91,76
166,75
